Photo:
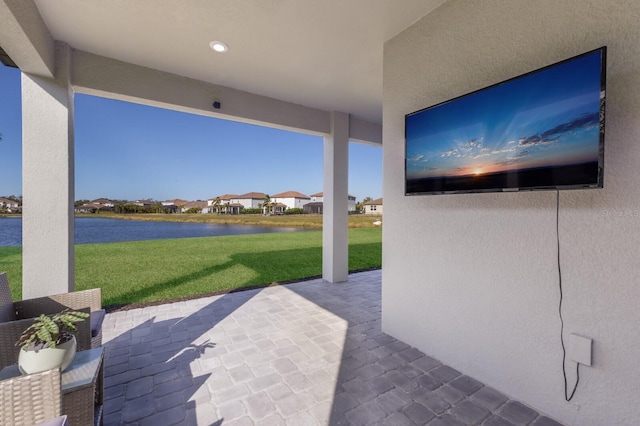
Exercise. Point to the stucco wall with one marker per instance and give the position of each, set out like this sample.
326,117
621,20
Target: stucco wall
472,279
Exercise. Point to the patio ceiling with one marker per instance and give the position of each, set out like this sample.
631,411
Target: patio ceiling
321,54
302,65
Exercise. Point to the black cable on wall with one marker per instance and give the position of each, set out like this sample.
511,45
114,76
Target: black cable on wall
564,351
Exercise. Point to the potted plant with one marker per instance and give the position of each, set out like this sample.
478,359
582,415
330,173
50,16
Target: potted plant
49,342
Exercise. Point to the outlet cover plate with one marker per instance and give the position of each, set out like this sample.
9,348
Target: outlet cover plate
580,349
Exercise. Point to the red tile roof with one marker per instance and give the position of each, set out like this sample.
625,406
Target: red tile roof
195,204
290,194
226,197
253,195
102,201
377,202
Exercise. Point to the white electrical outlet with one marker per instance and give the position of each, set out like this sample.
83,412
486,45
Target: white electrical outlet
579,349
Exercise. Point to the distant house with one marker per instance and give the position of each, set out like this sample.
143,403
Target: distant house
351,203
232,208
170,208
291,199
275,208
143,203
11,205
373,207
173,206
92,208
251,200
229,204
177,202
102,202
199,205
87,208
319,197
313,208
97,205
226,198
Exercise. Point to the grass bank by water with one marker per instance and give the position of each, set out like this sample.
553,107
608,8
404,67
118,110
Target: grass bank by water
145,271
297,220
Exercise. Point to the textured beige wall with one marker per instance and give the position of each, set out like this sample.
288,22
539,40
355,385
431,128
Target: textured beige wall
472,279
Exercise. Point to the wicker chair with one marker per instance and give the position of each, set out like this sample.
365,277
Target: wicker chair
30,399
15,317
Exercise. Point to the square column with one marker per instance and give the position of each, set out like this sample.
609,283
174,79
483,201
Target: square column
335,237
47,183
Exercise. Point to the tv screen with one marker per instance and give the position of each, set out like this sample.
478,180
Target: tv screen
541,130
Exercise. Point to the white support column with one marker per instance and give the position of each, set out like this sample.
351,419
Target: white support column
48,182
335,239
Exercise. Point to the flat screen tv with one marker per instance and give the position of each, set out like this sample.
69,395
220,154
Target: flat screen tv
542,130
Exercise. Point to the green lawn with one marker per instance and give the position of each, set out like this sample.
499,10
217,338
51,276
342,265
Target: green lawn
144,271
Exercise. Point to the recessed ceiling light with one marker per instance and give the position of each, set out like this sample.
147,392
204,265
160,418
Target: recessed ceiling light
219,46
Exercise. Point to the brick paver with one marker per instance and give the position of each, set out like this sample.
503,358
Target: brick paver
297,354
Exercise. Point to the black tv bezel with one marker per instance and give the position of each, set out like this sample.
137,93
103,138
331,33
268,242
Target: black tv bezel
600,175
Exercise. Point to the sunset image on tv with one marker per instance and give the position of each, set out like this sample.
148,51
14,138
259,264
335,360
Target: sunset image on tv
539,130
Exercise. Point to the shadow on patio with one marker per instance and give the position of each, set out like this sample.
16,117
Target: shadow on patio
156,366
301,354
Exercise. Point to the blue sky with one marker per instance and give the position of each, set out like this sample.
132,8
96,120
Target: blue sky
549,117
130,151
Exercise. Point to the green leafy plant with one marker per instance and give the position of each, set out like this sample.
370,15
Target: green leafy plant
50,331
294,210
250,211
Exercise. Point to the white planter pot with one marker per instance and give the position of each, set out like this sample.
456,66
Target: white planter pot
32,361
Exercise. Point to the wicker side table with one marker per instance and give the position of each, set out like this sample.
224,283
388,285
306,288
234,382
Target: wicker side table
82,387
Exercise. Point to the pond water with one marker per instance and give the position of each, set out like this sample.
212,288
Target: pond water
100,230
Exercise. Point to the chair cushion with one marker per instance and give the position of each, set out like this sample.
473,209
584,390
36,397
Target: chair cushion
96,319
59,421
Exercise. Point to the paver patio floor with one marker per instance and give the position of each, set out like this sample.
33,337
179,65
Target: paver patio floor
309,353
